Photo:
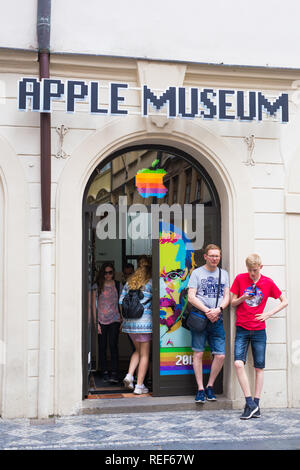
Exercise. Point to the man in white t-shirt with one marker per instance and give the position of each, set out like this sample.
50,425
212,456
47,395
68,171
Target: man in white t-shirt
203,291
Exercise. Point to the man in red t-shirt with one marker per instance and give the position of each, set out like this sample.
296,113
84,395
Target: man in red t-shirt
251,291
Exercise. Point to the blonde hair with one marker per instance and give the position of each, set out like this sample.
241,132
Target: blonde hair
143,273
253,260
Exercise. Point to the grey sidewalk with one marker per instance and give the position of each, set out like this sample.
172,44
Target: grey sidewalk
277,429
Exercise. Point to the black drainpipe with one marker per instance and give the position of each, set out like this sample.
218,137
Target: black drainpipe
43,34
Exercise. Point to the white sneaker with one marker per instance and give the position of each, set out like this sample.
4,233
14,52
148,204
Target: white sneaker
140,389
128,382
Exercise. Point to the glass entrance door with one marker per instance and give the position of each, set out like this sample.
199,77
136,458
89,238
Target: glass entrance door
166,178
178,257
122,254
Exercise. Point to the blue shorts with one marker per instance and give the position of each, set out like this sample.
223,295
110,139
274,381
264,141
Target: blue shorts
258,340
214,334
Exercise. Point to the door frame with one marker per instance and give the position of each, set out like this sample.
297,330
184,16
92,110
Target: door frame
158,390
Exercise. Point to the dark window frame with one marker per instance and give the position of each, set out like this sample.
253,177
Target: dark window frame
86,208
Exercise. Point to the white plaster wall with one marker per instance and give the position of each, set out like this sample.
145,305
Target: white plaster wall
270,242
15,283
233,32
18,24
267,180
293,280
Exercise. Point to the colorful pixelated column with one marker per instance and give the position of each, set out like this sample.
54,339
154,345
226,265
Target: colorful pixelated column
179,361
177,262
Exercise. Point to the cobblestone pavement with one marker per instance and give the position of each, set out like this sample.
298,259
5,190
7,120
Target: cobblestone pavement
182,430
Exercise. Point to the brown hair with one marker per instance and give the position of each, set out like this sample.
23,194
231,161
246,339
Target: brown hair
101,276
212,247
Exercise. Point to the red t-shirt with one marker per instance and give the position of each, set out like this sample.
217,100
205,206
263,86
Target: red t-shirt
246,311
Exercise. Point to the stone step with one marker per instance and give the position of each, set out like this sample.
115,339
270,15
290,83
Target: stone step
130,403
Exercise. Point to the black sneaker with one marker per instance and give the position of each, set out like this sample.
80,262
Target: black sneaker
105,376
209,393
249,411
114,379
257,414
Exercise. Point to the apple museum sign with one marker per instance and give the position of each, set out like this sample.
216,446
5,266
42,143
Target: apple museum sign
174,102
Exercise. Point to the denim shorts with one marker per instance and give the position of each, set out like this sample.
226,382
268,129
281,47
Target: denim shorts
258,340
214,334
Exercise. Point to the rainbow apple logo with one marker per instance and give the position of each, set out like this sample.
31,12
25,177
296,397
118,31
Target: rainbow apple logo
150,182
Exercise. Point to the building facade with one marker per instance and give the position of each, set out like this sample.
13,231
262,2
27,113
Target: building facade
253,165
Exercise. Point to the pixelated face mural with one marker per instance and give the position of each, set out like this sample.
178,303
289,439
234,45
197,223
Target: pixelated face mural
176,265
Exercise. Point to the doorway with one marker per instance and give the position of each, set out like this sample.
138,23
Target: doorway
184,183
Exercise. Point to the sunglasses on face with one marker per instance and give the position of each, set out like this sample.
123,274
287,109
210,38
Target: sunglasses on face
108,272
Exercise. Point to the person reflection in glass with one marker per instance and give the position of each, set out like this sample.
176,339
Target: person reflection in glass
127,271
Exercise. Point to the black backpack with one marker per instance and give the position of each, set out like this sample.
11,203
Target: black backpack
131,305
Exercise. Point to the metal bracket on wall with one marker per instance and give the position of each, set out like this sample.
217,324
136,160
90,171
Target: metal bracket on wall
250,141
61,131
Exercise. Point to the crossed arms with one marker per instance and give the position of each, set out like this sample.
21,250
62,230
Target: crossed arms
211,313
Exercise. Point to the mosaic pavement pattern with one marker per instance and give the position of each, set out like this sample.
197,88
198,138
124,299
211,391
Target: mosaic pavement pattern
148,430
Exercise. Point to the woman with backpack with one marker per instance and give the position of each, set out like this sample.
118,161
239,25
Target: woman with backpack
107,313
138,288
